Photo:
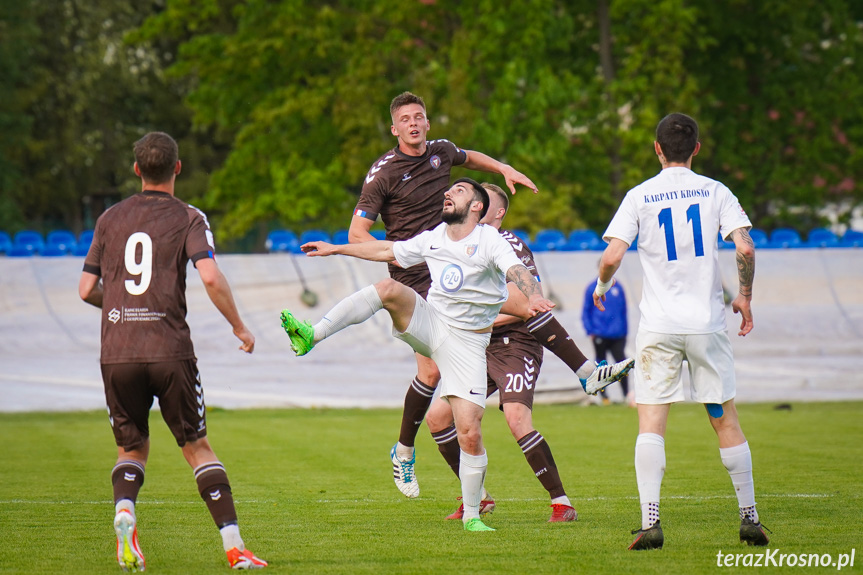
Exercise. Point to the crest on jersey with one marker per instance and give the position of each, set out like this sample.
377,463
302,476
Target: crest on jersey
435,162
470,250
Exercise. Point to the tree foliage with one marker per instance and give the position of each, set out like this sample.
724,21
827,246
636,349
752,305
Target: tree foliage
282,105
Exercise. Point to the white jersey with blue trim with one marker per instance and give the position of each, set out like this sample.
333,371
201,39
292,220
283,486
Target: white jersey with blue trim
677,216
468,276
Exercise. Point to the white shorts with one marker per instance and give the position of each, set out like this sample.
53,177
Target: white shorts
458,353
659,364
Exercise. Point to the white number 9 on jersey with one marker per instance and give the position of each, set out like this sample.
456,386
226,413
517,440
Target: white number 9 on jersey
144,268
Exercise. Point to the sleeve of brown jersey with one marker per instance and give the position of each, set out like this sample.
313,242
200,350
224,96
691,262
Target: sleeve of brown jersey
199,238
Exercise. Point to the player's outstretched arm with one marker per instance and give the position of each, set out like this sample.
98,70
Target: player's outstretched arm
374,251
479,161
220,294
90,289
527,284
742,304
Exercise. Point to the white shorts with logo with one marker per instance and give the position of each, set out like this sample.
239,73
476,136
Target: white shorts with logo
458,353
659,364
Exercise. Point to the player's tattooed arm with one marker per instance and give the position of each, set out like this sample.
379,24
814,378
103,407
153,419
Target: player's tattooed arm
524,280
527,284
745,260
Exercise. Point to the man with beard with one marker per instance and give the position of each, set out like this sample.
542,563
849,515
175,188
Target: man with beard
470,265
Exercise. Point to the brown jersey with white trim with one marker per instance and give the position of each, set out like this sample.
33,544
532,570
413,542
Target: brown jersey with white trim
407,192
141,248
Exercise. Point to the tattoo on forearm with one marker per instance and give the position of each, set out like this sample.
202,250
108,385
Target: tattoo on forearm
523,280
745,263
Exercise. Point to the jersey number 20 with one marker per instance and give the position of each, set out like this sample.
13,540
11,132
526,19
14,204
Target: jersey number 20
693,216
144,268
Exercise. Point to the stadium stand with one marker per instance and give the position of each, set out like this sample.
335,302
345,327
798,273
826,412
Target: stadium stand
85,238
27,243
784,238
60,242
5,242
822,238
282,241
723,245
522,235
341,237
548,241
379,234
583,240
852,239
759,238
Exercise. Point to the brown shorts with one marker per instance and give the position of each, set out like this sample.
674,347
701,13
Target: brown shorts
129,392
513,363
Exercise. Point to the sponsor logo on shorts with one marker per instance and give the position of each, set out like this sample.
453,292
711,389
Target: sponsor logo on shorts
472,392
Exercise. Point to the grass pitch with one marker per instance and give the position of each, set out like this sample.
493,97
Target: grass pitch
314,494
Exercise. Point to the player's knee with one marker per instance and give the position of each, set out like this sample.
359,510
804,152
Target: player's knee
438,419
387,289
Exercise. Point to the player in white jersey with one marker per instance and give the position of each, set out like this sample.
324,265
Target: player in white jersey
470,265
676,216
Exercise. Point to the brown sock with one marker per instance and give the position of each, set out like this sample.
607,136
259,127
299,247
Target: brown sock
538,455
447,444
548,331
216,492
127,477
417,401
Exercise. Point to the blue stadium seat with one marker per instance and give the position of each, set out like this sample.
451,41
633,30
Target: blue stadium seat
85,238
341,237
759,238
822,238
723,245
522,235
583,240
60,241
282,241
784,238
379,234
852,239
29,240
54,251
5,242
20,251
548,241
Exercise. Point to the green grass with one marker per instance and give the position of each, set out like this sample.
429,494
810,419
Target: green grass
314,494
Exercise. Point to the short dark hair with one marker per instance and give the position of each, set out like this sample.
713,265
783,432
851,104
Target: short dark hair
479,194
405,99
156,155
498,191
677,135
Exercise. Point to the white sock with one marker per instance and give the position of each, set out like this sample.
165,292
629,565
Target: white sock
562,500
586,369
355,308
471,471
738,461
231,537
125,504
649,469
404,452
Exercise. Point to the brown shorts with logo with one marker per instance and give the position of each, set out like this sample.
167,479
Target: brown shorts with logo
513,363
129,392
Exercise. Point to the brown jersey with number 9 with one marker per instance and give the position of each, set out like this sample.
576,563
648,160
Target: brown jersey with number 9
141,248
